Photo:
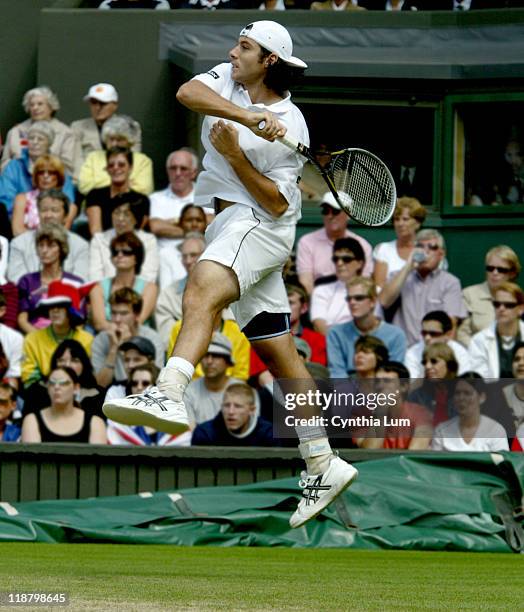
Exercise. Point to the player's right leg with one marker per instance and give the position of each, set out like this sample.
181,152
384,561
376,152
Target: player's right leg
210,288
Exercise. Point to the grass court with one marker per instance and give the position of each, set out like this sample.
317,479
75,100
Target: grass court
127,577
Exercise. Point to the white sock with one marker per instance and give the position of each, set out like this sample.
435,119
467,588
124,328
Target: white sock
175,377
317,455
179,363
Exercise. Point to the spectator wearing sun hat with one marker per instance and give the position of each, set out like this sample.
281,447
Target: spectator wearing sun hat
63,307
103,104
204,395
315,249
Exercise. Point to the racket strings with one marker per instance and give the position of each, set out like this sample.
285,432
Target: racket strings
368,184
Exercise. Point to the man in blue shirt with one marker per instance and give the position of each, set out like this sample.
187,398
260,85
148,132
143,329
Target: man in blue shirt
237,423
362,300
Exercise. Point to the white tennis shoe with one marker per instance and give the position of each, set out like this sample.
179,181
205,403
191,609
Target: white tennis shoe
151,409
319,490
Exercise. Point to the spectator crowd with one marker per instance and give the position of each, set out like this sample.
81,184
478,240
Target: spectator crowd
93,266
323,5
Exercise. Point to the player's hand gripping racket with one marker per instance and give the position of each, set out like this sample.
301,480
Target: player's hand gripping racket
360,182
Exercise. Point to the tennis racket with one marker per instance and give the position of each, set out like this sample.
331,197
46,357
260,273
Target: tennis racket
360,182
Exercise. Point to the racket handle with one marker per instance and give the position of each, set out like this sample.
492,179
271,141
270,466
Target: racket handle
285,140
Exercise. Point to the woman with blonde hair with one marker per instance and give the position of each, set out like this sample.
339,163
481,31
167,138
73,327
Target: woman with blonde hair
391,257
48,173
502,264
41,104
439,362
118,131
491,350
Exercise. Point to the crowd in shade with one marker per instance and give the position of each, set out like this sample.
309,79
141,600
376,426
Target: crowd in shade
94,260
323,5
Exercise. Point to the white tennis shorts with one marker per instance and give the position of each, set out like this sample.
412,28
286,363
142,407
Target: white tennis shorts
256,249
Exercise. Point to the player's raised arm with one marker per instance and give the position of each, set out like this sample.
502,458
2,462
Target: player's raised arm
200,98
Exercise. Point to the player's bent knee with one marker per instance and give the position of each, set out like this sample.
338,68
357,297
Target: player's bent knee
212,282
267,325
203,301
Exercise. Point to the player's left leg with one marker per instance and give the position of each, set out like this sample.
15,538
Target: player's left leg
210,287
327,474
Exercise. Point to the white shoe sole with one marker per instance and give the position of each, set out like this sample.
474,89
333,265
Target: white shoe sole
352,476
136,416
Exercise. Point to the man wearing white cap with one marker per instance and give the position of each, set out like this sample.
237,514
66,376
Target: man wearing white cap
103,104
253,181
315,249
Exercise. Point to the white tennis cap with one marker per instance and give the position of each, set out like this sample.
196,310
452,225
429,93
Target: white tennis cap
329,199
104,92
273,37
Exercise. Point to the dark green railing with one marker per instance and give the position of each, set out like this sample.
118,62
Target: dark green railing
31,472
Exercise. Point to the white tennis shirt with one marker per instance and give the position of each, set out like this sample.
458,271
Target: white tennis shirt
272,159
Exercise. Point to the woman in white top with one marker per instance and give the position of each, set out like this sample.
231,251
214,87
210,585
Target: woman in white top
470,430
328,302
390,257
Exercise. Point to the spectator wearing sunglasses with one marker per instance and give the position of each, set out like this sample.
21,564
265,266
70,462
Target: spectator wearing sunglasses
423,286
502,265
63,420
127,256
362,301
127,216
315,250
436,327
328,302
492,349
117,131
101,202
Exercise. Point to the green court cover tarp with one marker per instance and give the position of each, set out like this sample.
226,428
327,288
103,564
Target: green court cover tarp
457,501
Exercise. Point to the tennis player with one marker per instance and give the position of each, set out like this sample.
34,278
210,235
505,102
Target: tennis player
253,183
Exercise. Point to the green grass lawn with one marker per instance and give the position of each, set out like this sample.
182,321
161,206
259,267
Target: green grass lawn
149,578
